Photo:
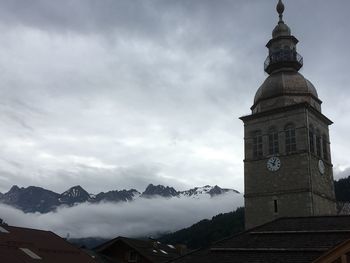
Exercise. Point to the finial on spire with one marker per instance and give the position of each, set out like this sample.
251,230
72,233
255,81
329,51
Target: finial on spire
280,10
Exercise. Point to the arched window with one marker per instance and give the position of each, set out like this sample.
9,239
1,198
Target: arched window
325,147
273,142
257,144
291,144
312,139
318,143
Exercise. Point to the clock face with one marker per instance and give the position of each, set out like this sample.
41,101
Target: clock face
273,164
321,167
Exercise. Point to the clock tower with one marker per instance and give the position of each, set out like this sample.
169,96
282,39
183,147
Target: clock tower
287,166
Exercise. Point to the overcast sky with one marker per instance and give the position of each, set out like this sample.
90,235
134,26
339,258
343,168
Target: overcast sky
114,94
140,218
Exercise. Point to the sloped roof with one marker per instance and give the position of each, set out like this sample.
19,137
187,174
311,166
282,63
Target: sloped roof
100,258
344,208
20,245
151,249
287,240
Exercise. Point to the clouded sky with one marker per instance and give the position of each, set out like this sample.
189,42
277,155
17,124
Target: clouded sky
119,94
142,217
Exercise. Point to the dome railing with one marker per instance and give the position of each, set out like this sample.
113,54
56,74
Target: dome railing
283,58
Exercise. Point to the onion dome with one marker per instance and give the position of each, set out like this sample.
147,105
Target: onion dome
285,88
281,30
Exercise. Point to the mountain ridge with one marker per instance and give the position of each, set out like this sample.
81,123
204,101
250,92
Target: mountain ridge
37,199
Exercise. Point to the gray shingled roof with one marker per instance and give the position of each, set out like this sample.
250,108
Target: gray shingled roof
153,250
288,240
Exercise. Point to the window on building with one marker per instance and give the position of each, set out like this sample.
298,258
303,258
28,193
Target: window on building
325,147
312,139
291,144
275,204
257,145
30,253
3,230
273,142
318,144
132,256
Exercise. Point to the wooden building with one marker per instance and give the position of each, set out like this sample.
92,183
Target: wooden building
124,249
324,239
24,245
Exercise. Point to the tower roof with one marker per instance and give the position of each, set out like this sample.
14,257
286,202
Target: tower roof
281,29
285,82
285,85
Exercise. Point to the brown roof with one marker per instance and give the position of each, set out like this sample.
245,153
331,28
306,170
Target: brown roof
288,240
23,245
153,250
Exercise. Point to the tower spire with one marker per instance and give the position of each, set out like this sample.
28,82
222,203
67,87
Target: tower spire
282,47
280,10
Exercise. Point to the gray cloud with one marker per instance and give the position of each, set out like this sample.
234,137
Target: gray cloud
139,218
118,94
341,172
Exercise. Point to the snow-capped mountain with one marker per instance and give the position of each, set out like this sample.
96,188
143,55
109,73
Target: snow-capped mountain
37,199
75,194
159,190
116,196
197,192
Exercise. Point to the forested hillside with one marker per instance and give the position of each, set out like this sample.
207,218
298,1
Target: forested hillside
206,231
342,189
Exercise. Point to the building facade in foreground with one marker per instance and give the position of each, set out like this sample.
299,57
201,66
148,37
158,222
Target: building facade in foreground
287,165
125,250
288,173
323,239
24,245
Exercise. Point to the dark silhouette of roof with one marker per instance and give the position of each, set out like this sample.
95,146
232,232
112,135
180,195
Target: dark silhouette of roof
153,250
22,245
100,258
287,240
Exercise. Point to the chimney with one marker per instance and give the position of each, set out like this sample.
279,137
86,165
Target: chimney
154,242
181,249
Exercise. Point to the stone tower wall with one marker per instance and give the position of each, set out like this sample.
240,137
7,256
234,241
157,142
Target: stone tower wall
298,187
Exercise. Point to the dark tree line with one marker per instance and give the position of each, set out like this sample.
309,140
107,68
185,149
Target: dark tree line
205,232
342,189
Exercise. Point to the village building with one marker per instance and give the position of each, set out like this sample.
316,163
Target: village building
124,250
24,245
324,239
290,206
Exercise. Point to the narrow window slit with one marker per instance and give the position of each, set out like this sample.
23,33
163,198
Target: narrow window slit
275,203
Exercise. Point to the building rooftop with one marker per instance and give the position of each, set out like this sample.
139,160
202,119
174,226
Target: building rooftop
24,245
288,240
153,250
